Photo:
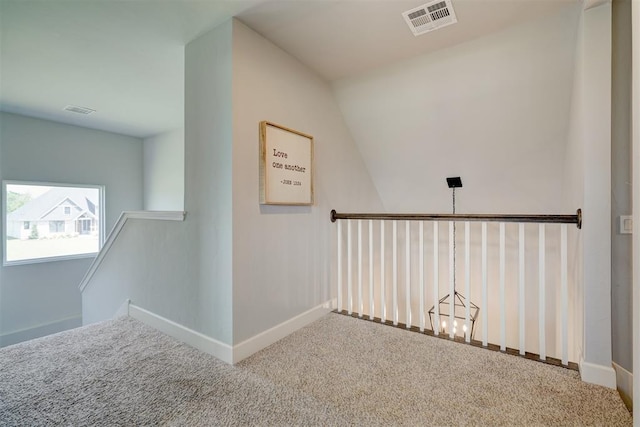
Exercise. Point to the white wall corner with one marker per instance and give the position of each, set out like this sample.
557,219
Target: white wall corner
597,374
183,334
123,310
590,4
218,349
264,339
624,381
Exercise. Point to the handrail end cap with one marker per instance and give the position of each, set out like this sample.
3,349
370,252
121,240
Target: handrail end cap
579,224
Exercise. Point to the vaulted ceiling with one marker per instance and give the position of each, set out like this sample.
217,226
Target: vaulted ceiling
125,59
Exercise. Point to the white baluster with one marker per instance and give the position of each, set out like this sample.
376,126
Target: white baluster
395,273
485,299
360,303
503,304
421,266
452,297
339,240
371,295
521,271
467,279
564,292
541,291
349,268
407,272
436,293
383,299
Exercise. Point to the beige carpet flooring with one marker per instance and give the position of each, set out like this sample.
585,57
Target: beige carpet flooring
397,377
337,371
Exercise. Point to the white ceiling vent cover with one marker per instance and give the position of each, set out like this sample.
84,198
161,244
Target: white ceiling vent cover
430,16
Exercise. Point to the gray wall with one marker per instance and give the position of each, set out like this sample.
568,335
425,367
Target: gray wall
208,179
597,186
587,183
573,189
281,254
150,263
493,110
164,172
182,271
502,111
43,298
234,268
635,136
621,274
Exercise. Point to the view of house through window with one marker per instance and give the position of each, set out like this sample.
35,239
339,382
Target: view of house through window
45,222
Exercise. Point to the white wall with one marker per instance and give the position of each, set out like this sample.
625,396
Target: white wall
501,112
635,125
281,254
1,226
234,268
588,178
164,172
597,187
208,178
151,264
492,110
621,295
44,298
255,266
573,190
182,271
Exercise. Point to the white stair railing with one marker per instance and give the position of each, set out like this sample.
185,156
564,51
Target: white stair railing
522,309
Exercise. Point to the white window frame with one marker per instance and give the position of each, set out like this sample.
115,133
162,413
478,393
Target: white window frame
101,230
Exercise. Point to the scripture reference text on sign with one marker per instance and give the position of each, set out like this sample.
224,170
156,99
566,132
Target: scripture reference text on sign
286,166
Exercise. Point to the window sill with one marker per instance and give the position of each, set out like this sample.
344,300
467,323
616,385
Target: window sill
6,263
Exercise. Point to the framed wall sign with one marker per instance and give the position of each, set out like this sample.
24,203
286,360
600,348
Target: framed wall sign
286,166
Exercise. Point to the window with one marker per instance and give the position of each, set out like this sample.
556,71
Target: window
50,222
56,227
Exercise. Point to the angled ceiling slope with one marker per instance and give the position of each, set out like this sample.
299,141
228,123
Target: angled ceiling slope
125,59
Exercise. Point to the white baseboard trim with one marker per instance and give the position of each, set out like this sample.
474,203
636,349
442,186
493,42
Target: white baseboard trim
264,339
225,352
597,374
624,380
188,336
40,330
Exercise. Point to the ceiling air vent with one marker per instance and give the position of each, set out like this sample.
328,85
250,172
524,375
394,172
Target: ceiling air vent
430,16
79,110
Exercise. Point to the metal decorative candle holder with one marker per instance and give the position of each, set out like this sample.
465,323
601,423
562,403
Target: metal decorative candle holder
459,305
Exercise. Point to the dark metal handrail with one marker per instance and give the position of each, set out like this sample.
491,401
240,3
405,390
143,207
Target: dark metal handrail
556,219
